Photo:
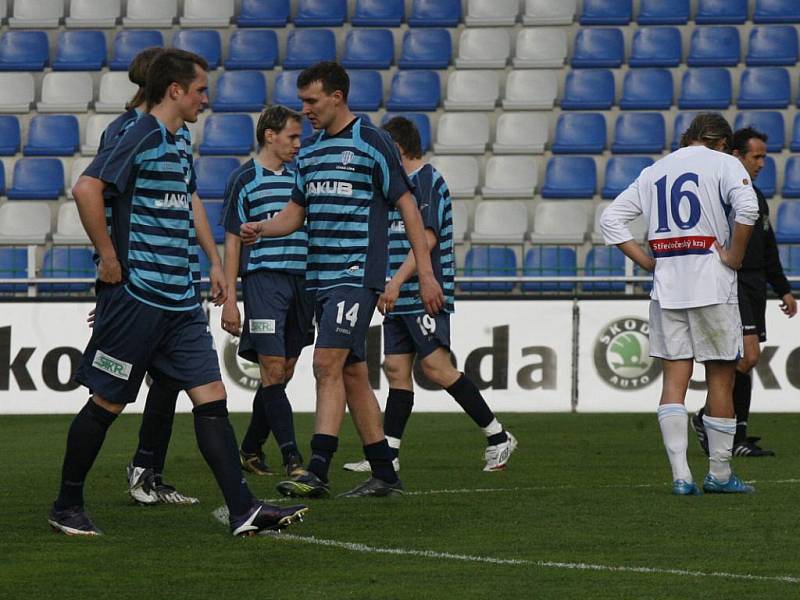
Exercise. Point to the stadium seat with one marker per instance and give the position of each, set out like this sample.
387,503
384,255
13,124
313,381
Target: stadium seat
638,132
764,87
14,265
101,14
460,173
637,227
24,51
500,222
2,179
67,262
491,13
214,214
794,145
791,178
76,170
212,175
714,47
69,229
588,90
621,171
658,12
16,92
37,179
540,47
414,90
787,223
435,13
598,47
530,89
721,11
366,90
65,92
9,135
656,47
228,134
150,13
378,13
559,223
240,91
205,42
607,262
368,49
768,122
207,13
580,133
24,222
426,49
320,13
263,13
285,91
305,47
547,12
252,49
570,177
462,133
52,135
510,177
128,44
649,89
485,261
115,91
549,261
776,11
521,133
420,120
706,87
772,45
606,12
767,180
790,260
472,90
460,220
80,51
44,14
95,126
486,48
681,124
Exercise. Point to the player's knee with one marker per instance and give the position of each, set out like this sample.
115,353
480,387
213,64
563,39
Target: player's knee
396,371
273,370
748,362
106,405
440,373
326,367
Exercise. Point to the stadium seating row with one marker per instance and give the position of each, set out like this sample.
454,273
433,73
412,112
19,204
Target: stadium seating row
677,12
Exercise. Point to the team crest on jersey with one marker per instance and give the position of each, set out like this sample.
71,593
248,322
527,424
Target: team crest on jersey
347,157
622,354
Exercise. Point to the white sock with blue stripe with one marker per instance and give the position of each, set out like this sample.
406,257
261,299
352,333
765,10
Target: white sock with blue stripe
720,434
674,422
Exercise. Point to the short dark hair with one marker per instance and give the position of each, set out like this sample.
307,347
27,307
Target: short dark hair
274,118
168,67
708,128
137,73
742,137
406,135
330,74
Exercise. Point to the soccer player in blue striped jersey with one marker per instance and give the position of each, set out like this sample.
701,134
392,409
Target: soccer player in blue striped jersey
278,309
148,317
348,177
408,332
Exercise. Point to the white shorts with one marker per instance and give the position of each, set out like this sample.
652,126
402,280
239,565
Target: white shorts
704,333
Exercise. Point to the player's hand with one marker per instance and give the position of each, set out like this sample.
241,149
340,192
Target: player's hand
727,258
91,317
250,232
219,287
231,319
431,294
388,298
109,270
789,305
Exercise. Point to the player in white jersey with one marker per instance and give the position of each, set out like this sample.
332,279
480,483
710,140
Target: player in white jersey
700,207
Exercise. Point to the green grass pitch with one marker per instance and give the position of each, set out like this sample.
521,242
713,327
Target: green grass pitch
581,490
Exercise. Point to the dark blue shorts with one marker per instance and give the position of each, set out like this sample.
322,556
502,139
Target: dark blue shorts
278,315
416,334
343,316
131,338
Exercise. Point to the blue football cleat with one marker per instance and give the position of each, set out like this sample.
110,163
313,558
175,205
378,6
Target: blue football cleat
681,487
734,485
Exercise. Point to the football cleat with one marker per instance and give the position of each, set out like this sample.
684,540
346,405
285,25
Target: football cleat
681,487
254,463
294,465
363,466
267,517
497,456
167,494
141,485
304,485
749,448
734,485
374,487
72,521
700,430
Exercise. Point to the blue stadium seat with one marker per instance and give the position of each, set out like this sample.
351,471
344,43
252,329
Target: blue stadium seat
285,91
570,177
790,261
422,122
368,49
67,262
24,51
767,121
767,180
646,89
764,87
435,13
487,261
794,145
714,47
733,12
305,47
772,45
320,13
658,12
2,179
252,49
378,13
9,135
606,12
37,179
263,13
604,261
656,47
621,171
639,133
706,87
214,214
205,42
598,47
414,90
13,265
80,51
128,44
212,175
681,124
366,90
228,134
791,178
52,135
787,223
580,133
588,90
426,49
777,11
546,261
240,91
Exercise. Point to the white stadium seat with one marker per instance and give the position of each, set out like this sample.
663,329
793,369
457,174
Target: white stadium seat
3,10
510,177
500,221
37,13
78,167
462,133
65,91
472,90
539,48
115,91
483,49
95,126
69,229
94,13
16,92
23,222
207,13
559,223
460,173
460,220
637,227
530,89
549,12
150,13
521,133
491,13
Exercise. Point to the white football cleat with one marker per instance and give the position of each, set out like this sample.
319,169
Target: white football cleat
362,466
497,456
141,485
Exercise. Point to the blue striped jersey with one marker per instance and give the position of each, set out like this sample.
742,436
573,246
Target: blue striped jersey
433,199
254,193
347,183
150,177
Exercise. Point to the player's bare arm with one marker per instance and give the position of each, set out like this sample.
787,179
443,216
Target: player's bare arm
88,193
733,256
289,220
219,288
635,252
231,318
391,292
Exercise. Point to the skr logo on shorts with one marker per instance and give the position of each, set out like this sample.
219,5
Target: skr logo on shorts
262,325
113,366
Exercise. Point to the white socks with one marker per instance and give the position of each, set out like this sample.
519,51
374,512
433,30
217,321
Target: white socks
492,428
674,422
393,442
720,434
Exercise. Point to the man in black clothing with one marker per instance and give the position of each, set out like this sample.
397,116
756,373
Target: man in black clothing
761,265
